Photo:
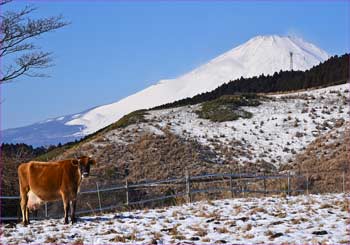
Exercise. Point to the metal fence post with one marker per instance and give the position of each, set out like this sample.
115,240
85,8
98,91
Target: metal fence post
307,183
231,185
343,181
127,192
98,196
46,210
188,187
288,184
264,184
242,185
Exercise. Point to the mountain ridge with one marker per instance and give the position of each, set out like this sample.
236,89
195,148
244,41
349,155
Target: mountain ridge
259,55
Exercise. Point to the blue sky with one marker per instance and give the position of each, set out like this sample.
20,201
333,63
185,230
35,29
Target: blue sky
115,48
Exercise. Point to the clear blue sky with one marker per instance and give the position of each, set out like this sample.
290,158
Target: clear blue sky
113,49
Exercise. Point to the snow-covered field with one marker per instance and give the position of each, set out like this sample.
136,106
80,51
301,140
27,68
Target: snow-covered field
280,127
314,219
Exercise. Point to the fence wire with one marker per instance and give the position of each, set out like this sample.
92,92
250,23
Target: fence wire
172,191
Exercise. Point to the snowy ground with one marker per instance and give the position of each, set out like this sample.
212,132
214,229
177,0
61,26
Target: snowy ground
313,219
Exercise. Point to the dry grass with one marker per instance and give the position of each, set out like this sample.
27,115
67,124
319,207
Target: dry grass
258,210
326,205
278,222
210,215
51,239
109,222
248,236
238,209
174,231
111,231
248,227
204,208
199,231
330,153
167,221
176,213
279,214
206,239
118,239
153,222
231,223
180,237
345,206
78,241
211,203
133,235
298,220
156,236
287,231
222,230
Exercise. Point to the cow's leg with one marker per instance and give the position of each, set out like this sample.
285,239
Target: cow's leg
27,215
66,207
23,189
24,208
72,216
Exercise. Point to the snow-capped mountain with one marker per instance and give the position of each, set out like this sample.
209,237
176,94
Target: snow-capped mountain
259,55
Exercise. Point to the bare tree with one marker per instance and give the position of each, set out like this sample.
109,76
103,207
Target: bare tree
17,31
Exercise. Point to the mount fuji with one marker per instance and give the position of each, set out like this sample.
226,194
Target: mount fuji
259,55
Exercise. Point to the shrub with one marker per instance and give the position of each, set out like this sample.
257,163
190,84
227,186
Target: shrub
131,118
227,107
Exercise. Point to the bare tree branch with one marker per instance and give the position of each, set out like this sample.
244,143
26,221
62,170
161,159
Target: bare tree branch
16,32
2,2
25,64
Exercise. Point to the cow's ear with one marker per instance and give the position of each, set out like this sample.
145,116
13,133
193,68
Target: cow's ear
92,162
75,162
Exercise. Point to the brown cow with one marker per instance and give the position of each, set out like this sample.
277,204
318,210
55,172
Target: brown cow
50,181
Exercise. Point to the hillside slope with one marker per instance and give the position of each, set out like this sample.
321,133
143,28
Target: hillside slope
166,142
326,161
300,131
259,55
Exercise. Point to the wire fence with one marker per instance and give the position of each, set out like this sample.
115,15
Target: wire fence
177,190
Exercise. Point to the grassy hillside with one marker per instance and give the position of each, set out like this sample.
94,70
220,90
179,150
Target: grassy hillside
325,160
131,118
331,72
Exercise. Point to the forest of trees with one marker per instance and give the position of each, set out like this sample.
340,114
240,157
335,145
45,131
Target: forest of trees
333,71
22,151
12,155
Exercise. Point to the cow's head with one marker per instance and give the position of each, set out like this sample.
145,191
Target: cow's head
85,163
